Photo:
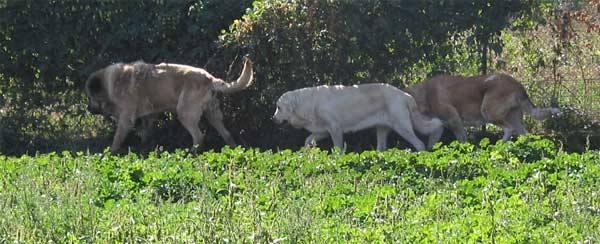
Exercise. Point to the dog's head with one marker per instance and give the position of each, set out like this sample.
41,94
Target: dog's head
98,94
285,107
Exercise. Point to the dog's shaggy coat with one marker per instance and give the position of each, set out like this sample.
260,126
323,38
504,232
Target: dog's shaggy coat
473,101
334,110
133,90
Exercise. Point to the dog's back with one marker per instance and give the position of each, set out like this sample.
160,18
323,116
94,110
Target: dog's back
363,106
357,98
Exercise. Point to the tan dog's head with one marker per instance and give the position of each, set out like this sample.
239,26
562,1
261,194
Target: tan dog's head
285,108
96,88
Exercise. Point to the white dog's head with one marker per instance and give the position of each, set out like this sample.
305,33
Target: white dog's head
285,107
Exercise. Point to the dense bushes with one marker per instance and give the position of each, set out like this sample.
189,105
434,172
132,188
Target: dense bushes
47,50
306,43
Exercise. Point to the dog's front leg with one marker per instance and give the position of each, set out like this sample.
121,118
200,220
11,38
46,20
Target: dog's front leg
125,123
214,115
456,126
333,128
382,133
337,136
147,124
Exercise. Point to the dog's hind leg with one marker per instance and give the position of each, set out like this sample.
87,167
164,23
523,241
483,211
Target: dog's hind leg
508,131
405,129
410,136
434,137
189,116
190,122
515,119
382,133
506,114
513,124
507,128
214,115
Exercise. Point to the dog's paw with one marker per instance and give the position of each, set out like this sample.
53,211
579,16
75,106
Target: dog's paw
195,150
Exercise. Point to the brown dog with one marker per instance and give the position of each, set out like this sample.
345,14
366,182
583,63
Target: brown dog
135,90
473,101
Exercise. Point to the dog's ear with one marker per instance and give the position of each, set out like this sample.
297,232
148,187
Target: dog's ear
297,99
290,101
94,84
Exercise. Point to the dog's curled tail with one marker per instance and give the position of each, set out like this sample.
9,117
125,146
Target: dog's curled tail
420,122
536,113
244,81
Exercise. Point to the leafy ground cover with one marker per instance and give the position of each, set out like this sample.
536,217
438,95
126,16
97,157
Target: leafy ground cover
526,191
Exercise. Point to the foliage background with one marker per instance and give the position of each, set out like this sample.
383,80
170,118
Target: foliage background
48,48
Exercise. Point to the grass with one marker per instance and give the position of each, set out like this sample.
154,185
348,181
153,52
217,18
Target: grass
522,191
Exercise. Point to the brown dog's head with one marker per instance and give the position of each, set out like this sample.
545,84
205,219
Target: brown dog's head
98,94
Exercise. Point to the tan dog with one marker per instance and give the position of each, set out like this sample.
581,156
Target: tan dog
134,90
334,110
473,101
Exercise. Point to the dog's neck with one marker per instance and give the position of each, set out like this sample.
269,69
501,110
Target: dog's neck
298,122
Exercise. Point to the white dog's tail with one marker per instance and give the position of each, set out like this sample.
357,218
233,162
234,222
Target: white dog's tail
536,113
420,122
244,81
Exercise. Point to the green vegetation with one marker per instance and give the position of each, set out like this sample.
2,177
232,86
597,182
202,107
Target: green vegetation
526,191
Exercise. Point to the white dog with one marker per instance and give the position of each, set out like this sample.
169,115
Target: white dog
335,110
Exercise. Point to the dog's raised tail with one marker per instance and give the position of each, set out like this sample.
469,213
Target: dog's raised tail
420,122
536,113
242,82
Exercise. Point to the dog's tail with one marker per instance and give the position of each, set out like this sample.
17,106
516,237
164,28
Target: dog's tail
536,113
420,122
244,81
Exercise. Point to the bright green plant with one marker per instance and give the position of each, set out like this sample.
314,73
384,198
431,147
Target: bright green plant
457,193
